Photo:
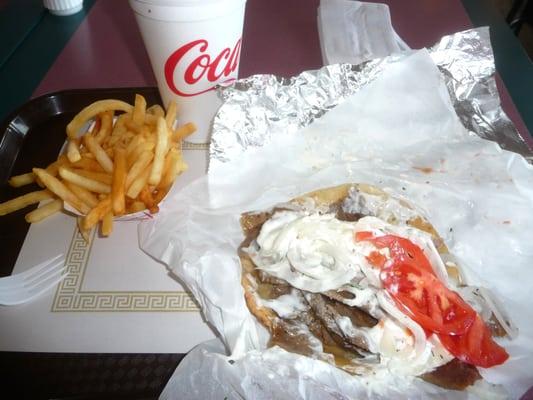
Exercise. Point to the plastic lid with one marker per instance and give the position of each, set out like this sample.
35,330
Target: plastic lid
184,10
63,7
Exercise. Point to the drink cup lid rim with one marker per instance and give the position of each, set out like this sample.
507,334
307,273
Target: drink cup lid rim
183,10
193,3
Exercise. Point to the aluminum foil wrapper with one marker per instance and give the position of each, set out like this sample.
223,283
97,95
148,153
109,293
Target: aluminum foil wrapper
254,108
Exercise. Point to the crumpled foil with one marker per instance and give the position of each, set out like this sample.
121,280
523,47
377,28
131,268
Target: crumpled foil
257,107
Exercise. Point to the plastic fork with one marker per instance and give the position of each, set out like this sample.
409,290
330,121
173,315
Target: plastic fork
26,286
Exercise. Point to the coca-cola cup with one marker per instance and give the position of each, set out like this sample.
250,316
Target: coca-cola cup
193,45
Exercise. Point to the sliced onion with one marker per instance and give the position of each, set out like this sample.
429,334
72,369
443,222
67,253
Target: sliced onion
447,258
473,297
499,313
486,305
437,262
418,333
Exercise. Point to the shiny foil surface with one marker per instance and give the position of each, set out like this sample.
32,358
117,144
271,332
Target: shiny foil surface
260,106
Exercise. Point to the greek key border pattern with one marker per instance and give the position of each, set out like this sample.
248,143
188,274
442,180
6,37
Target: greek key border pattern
194,146
69,296
198,146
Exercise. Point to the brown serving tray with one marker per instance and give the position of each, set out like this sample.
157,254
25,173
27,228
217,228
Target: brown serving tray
32,136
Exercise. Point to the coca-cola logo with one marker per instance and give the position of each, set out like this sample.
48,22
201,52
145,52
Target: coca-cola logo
216,69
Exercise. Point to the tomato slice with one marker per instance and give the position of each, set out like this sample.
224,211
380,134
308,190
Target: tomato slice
376,259
411,282
425,299
475,346
363,235
403,250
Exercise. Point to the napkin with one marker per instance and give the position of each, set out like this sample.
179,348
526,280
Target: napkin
476,195
355,31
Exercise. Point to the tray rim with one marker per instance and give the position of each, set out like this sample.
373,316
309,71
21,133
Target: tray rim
69,92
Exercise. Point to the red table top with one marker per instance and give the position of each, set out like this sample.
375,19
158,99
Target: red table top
280,37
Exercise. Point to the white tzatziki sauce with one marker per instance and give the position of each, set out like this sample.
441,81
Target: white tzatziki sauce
318,252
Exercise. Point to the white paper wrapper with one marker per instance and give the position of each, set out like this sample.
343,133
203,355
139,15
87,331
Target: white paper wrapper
273,374
477,195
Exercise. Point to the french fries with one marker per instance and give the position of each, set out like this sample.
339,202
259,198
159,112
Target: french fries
21,180
73,150
161,149
53,168
92,111
105,127
107,224
170,118
137,206
119,182
156,110
44,211
85,233
103,177
183,131
24,201
125,164
138,184
85,195
97,213
60,190
174,165
98,152
139,110
84,182
139,166
87,163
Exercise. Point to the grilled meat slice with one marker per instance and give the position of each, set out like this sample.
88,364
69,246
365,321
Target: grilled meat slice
329,312
343,215
288,334
455,375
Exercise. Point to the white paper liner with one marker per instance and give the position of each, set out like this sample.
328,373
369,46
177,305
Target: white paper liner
137,216
477,195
